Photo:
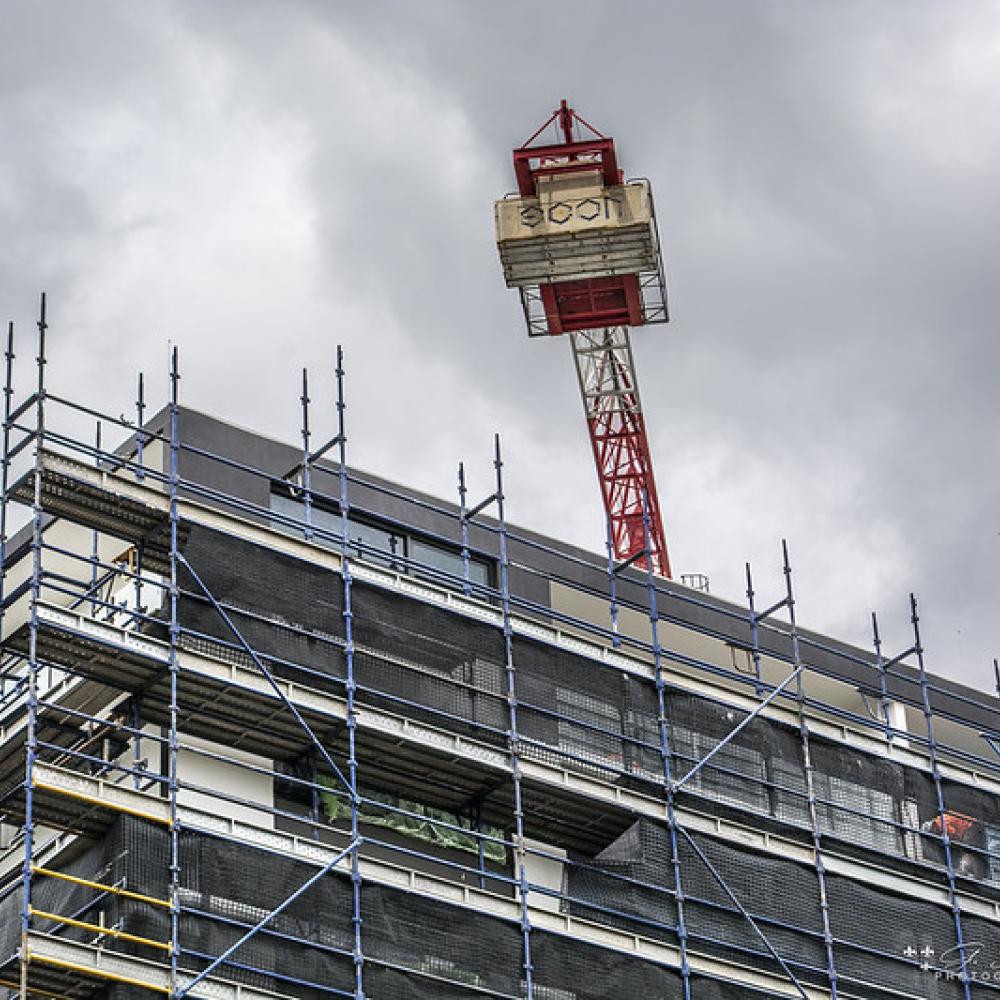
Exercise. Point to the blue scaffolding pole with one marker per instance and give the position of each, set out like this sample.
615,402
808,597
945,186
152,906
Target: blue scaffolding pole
754,635
8,393
174,667
463,521
307,501
932,751
513,737
883,680
515,747
609,549
140,420
351,683
810,774
665,753
31,741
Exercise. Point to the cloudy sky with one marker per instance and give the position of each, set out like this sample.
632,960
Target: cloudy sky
258,181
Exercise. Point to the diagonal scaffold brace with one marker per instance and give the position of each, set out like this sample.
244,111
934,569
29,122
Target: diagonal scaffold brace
261,924
268,676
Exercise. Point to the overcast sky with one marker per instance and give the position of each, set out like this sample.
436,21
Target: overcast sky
257,181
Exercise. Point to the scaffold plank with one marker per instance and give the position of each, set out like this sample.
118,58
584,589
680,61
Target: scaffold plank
100,793
76,959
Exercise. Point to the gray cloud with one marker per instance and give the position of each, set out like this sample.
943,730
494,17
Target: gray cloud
258,182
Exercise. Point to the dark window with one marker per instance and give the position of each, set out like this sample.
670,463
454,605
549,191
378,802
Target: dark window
379,545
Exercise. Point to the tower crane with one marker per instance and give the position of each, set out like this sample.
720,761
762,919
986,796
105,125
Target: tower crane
581,246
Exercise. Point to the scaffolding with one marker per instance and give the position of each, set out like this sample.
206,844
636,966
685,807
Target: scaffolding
254,743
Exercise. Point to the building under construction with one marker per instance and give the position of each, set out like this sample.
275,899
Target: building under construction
274,728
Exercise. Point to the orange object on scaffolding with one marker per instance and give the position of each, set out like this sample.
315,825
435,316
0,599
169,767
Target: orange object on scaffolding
957,825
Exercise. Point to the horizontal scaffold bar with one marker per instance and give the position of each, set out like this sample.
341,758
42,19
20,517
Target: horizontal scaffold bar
98,886
111,932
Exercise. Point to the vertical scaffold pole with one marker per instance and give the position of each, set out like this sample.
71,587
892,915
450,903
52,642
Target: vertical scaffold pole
754,635
140,420
883,680
31,741
138,764
609,547
463,520
315,804
8,398
140,442
351,685
306,461
95,552
810,776
515,746
932,752
665,752
174,635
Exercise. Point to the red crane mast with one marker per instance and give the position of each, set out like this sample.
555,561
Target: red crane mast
581,246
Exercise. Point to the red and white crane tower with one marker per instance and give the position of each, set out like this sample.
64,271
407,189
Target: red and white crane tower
580,244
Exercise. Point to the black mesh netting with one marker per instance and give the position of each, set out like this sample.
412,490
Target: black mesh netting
430,663
107,862
286,609
414,946
635,876
981,939
613,978
409,657
879,937
781,895
629,885
565,969
310,941
417,947
748,772
460,946
580,714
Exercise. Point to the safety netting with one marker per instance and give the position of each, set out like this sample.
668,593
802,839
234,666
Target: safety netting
414,946
423,661
881,940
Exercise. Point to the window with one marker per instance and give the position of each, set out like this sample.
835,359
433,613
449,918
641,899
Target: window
725,776
993,848
437,557
585,741
377,544
412,819
370,542
869,823
864,816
